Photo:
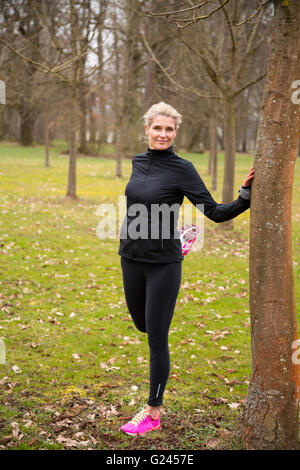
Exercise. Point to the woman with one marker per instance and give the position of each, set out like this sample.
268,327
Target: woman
151,265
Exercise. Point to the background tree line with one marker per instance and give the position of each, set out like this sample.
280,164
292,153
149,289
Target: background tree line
124,62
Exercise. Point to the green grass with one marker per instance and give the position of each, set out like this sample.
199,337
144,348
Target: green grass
61,294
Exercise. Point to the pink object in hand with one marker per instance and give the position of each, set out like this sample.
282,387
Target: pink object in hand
188,235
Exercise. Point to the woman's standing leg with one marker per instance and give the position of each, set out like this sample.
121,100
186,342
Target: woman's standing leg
162,288
151,291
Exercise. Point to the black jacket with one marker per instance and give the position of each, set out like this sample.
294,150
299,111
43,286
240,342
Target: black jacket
162,177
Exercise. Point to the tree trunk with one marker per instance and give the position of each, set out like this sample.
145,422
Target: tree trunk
245,123
71,190
46,139
229,163
101,77
27,123
213,150
270,417
119,137
92,122
194,137
83,127
149,82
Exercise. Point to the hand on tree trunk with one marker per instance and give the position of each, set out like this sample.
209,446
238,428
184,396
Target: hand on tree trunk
247,182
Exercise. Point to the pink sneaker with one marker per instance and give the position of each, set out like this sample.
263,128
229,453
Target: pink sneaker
141,423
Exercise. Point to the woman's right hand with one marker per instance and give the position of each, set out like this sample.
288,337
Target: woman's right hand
248,180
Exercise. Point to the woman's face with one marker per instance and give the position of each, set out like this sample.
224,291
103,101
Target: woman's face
161,133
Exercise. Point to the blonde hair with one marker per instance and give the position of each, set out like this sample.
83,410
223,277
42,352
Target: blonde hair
163,109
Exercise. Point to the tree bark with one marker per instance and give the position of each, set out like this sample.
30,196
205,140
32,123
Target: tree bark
27,123
270,417
118,153
149,82
83,126
213,150
46,124
92,120
101,89
71,190
229,160
246,122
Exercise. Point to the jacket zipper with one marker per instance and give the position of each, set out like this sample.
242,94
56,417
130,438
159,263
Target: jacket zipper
151,159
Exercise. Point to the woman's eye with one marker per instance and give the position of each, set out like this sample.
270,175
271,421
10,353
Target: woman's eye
169,129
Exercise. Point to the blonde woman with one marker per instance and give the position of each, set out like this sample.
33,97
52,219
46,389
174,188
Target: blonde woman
151,265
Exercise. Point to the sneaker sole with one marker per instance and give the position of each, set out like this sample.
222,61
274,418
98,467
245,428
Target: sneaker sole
140,433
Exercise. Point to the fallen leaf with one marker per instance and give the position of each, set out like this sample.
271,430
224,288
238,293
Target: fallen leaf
233,405
213,443
67,441
33,441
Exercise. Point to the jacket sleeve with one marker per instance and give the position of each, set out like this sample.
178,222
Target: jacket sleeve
192,186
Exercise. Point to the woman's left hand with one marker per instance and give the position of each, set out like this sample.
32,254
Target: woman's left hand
247,182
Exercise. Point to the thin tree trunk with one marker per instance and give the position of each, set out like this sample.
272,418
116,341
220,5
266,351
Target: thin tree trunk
83,127
27,123
193,137
47,139
149,81
229,163
101,90
245,124
244,143
118,105
119,150
270,417
92,120
209,165
213,150
71,190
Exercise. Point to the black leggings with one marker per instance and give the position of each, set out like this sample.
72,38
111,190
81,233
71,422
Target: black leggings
151,291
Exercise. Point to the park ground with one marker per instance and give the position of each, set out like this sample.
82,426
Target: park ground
76,368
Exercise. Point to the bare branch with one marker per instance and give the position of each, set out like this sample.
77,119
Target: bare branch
192,90
38,65
251,50
176,12
61,67
188,21
229,26
249,84
45,68
254,14
212,73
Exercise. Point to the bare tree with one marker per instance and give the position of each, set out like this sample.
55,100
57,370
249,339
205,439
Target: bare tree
270,418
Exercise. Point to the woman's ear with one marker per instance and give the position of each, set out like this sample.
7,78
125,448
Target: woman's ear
146,129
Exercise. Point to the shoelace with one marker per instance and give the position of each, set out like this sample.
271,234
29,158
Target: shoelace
139,417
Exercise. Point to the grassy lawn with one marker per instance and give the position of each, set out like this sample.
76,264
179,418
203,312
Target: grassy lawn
76,368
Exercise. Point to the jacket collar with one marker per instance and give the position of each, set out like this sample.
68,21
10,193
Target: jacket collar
153,153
